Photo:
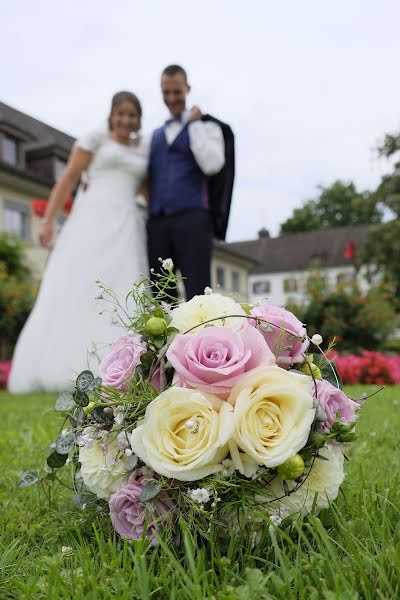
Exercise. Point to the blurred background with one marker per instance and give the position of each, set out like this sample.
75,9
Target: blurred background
310,90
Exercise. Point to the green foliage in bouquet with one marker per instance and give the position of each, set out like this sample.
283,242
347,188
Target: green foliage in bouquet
205,417
358,321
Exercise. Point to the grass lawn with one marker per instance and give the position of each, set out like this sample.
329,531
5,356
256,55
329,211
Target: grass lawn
351,552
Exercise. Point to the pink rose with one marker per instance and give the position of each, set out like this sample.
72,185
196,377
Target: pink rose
214,359
333,400
286,336
129,516
119,365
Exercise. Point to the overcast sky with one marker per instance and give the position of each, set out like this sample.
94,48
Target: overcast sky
309,87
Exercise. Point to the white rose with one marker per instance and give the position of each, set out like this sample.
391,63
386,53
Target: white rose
325,479
201,309
103,466
273,414
184,434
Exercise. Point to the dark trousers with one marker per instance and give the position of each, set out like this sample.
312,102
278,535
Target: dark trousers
185,237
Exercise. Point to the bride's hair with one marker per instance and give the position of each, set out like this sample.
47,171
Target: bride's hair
125,97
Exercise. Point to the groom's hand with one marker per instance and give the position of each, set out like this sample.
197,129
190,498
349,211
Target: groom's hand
195,114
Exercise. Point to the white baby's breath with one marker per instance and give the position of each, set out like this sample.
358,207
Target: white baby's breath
200,495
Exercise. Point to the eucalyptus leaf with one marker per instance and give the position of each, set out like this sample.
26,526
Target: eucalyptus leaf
81,398
65,442
150,490
85,382
100,415
27,479
65,402
56,460
131,462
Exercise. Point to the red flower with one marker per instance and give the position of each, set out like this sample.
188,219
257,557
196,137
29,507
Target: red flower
39,207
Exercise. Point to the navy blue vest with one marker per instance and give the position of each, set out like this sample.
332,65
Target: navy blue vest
176,181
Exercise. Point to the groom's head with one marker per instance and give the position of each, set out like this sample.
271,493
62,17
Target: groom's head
174,88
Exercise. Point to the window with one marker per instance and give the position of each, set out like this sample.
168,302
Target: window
221,277
261,287
9,150
341,277
59,166
17,219
235,281
289,285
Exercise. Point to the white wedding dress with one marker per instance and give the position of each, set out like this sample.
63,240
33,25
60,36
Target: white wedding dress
103,238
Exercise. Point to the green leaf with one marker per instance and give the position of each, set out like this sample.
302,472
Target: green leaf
100,415
56,460
150,490
171,330
65,402
158,313
81,398
65,442
85,382
131,462
158,342
27,479
328,373
147,358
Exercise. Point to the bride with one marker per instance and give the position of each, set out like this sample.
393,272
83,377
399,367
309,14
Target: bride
103,239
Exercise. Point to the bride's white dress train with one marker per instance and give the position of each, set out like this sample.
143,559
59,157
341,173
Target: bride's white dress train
104,238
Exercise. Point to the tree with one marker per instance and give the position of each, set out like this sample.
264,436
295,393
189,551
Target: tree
382,247
338,205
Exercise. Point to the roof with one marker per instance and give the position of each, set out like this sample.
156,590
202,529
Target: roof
34,131
296,251
228,249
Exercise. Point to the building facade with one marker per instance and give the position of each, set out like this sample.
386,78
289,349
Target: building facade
283,263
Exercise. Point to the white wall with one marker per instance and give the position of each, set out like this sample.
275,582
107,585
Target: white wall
278,297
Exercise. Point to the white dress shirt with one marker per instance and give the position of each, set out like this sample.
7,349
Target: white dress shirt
205,139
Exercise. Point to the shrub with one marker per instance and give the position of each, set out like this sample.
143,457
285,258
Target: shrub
5,368
16,293
368,367
357,321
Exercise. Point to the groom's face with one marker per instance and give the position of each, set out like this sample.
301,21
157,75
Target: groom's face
174,90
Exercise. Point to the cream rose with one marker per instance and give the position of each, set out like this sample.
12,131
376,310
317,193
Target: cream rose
201,309
321,486
103,465
184,434
273,414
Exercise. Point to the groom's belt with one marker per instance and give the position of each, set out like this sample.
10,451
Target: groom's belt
162,213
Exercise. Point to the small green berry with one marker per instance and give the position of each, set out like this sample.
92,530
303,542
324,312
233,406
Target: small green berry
291,468
156,326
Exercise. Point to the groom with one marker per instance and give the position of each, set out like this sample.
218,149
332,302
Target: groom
189,187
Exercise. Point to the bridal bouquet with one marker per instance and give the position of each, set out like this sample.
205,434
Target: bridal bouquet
209,413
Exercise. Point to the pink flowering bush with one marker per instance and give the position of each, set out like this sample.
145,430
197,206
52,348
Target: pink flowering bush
119,365
5,368
215,358
368,367
284,333
130,515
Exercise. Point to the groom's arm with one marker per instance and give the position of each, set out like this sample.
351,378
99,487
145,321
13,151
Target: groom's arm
206,143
